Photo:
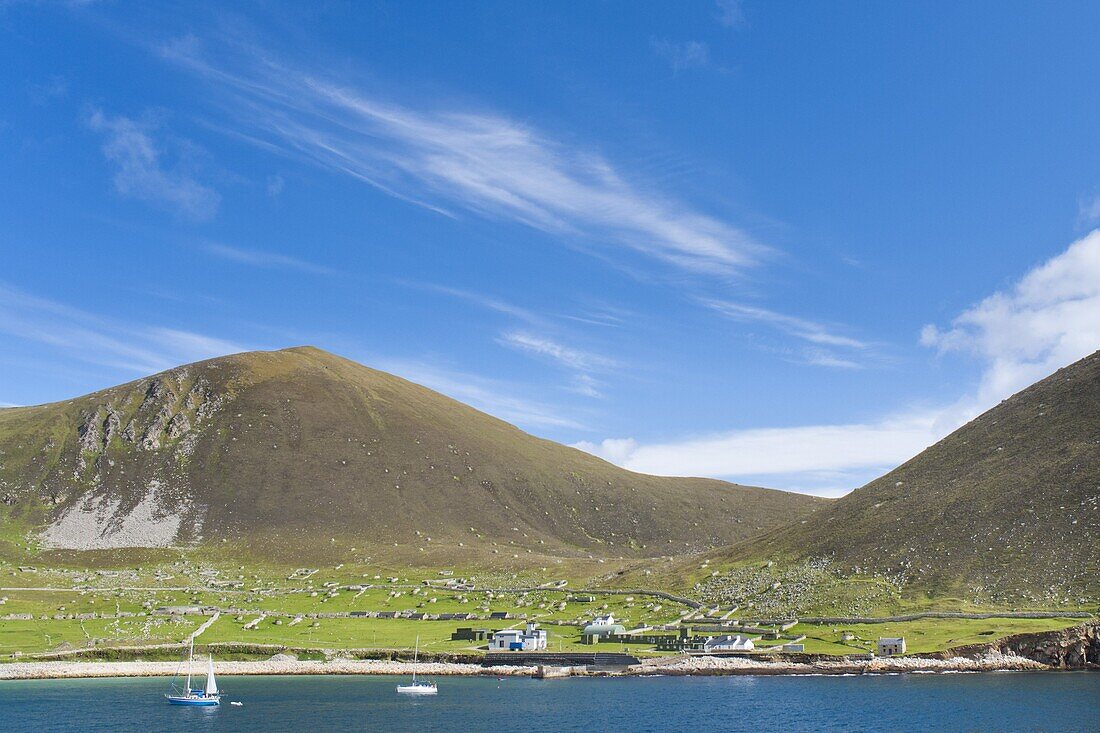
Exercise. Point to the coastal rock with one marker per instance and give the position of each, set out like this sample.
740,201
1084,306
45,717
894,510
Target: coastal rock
1074,648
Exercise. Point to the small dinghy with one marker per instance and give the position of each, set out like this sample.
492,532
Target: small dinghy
417,687
207,696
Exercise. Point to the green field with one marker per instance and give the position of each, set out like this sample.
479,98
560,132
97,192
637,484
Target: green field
310,611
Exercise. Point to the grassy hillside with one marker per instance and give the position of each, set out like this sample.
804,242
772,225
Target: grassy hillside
282,453
1005,509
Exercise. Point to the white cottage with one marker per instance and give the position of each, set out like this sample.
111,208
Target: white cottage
729,643
529,639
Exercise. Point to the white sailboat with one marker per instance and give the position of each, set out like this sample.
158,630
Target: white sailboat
205,697
417,687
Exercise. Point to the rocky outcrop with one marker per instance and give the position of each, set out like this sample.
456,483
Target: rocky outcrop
89,433
111,425
154,394
178,426
1074,648
151,439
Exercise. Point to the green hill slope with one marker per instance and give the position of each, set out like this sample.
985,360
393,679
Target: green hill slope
1006,507
299,447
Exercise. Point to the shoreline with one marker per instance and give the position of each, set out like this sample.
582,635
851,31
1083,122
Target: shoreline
676,666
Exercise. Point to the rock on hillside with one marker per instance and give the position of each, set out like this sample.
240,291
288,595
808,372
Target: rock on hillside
303,446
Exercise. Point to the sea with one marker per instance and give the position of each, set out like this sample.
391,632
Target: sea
943,703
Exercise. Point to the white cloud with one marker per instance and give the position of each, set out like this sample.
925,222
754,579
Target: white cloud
583,363
824,338
1049,319
259,258
488,395
482,300
681,56
1088,209
92,339
586,385
730,13
770,452
566,356
821,357
274,185
479,161
806,330
140,172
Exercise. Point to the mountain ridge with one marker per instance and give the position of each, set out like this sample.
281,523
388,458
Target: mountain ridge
306,446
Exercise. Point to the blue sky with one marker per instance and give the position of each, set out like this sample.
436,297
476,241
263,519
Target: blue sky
788,244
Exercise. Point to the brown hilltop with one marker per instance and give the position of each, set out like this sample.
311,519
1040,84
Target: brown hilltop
307,446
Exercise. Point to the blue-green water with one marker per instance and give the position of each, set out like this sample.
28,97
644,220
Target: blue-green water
943,703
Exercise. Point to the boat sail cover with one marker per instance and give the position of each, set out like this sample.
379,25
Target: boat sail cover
211,683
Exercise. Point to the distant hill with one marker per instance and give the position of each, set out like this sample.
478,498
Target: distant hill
300,447
1006,507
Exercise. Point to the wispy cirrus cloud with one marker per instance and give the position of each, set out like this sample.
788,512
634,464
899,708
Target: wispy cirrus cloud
566,356
681,56
807,330
462,159
86,337
823,339
1088,209
483,300
581,363
489,395
261,258
141,173
730,13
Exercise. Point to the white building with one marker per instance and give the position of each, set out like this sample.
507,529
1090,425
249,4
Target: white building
729,643
602,626
529,639
889,646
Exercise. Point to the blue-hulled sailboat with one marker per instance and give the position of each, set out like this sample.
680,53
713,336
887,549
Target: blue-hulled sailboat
207,696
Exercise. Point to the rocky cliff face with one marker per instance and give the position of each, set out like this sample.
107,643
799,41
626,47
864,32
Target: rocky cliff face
1077,647
120,478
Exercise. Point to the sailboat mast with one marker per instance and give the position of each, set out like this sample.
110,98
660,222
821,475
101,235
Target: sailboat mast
416,655
190,657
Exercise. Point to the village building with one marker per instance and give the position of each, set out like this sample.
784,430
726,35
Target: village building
529,639
889,646
602,627
729,643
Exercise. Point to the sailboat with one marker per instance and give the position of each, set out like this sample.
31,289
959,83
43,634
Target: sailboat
418,687
205,697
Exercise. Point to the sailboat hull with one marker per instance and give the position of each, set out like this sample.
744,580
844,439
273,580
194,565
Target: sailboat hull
202,702
417,689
